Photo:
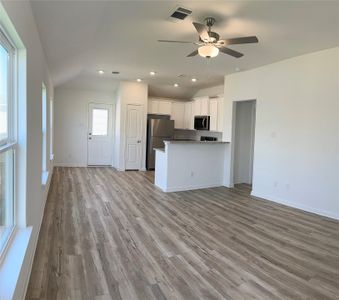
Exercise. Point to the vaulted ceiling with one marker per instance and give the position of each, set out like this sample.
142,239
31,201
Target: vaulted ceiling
81,37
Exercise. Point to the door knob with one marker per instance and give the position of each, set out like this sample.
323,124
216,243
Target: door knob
139,142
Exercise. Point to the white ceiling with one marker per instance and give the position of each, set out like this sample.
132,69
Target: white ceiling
81,37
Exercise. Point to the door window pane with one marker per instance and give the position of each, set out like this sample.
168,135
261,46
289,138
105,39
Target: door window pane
6,195
99,121
4,59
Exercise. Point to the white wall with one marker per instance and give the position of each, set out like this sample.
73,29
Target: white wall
296,152
71,123
32,194
211,91
243,142
129,93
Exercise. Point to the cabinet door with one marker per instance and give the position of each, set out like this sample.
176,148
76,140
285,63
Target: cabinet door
197,107
165,107
205,106
153,107
189,119
178,114
214,114
220,114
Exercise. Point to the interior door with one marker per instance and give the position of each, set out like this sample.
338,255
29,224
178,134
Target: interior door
100,140
133,137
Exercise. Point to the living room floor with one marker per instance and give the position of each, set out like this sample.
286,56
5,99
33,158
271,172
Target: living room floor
114,235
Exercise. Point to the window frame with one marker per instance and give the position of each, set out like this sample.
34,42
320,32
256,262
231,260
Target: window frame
10,143
44,112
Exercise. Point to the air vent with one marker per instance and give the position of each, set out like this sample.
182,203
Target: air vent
179,14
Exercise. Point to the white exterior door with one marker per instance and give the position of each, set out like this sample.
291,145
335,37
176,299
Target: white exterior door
100,140
133,137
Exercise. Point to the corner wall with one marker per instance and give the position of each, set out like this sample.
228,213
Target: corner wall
296,151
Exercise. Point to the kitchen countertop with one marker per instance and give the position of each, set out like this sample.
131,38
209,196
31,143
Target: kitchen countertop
193,142
159,149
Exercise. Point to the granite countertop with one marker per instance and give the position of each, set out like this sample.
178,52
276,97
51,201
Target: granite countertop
159,149
193,142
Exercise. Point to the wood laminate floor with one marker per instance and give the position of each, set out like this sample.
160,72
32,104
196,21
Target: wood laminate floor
113,235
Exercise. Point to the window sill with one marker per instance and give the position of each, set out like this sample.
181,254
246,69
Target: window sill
44,178
12,262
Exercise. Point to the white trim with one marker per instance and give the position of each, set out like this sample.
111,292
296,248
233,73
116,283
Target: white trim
44,178
6,147
305,208
71,165
190,187
11,266
36,239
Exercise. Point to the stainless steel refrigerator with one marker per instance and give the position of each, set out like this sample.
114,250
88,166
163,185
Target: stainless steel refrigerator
159,128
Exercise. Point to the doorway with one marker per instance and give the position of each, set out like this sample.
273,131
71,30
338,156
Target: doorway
244,132
100,139
133,148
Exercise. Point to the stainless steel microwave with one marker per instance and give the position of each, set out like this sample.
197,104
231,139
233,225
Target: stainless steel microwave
202,122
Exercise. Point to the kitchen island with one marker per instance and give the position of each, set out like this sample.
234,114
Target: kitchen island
188,165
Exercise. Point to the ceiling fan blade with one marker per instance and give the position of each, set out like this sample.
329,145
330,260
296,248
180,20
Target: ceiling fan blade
182,42
202,31
194,53
240,40
230,52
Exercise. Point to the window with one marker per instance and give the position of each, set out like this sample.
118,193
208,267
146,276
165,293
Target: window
44,128
7,139
99,121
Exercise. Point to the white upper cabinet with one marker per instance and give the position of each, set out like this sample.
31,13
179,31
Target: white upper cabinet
178,114
189,119
205,106
213,114
201,106
153,106
165,107
220,114
216,114
160,107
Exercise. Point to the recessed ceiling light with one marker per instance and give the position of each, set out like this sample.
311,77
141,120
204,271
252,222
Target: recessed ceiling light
194,79
101,71
152,73
176,85
139,80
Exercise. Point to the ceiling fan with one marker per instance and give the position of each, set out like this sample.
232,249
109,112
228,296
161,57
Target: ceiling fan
210,43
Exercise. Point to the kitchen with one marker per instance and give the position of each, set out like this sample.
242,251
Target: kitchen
184,142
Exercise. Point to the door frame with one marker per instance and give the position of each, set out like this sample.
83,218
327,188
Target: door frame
142,144
110,125
253,131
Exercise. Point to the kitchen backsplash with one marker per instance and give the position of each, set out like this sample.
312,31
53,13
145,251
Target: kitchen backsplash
181,134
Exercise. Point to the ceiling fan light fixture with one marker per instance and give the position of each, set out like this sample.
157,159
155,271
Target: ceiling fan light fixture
208,51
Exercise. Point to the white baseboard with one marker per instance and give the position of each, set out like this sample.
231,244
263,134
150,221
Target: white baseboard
306,208
70,165
191,187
